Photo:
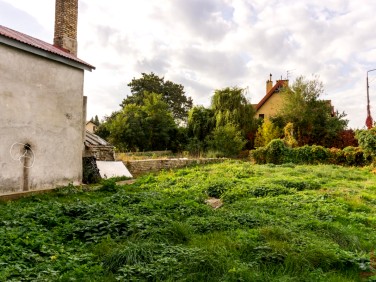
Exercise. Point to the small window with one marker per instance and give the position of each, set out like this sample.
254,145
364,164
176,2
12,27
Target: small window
261,116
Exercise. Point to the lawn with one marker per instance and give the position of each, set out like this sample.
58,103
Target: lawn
277,223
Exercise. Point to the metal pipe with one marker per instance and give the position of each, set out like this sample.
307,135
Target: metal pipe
369,120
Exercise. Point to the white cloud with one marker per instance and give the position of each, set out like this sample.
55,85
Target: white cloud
209,44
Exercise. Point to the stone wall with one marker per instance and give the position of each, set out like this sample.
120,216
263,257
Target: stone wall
140,167
101,153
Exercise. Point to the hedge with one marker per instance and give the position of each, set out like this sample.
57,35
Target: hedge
277,152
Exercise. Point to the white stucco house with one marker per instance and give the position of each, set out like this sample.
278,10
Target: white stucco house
42,106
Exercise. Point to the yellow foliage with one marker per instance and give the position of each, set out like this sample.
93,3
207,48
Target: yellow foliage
289,135
266,132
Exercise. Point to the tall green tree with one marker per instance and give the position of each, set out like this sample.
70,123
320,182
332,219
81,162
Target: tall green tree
314,120
127,129
103,129
149,126
200,124
159,122
95,120
173,94
230,106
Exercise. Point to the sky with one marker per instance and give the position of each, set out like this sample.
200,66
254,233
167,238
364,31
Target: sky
212,44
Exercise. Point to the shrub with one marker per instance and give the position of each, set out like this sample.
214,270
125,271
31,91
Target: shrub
289,138
226,140
336,156
217,188
367,141
355,156
259,155
108,185
276,151
345,138
266,132
319,154
299,155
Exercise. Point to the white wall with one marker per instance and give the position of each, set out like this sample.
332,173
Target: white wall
40,104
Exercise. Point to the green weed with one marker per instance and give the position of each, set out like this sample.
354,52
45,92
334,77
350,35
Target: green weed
277,223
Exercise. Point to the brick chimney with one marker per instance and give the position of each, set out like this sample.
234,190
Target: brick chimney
65,36
269,84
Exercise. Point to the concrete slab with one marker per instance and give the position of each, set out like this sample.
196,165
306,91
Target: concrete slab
113,169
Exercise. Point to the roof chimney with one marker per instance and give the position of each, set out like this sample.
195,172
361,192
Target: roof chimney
269,84
66,14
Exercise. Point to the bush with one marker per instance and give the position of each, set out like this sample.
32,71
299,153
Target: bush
336,156
367,141
108,185
309,155
276,151
227,141
355,156
259,155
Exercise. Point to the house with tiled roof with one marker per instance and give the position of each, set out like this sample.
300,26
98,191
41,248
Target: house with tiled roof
43,109
272,102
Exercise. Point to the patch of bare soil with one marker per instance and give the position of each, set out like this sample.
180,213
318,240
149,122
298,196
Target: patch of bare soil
214,203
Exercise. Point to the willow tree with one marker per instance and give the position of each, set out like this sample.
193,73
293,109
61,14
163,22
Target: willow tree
200,126
200,122
230,106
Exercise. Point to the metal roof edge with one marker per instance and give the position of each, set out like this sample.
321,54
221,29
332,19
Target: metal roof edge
46,54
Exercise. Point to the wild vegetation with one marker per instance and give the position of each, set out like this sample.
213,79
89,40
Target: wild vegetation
277,223
159,116
315,121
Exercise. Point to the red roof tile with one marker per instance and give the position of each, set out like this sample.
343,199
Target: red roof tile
34,42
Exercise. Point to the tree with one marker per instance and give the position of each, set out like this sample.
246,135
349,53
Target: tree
345,139
200,122
200,125
266,133
313,119
149,126
159,122
230,106
173,94
127,129
226,141
103,129
96,120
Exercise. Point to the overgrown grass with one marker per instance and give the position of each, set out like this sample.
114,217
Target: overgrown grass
277,223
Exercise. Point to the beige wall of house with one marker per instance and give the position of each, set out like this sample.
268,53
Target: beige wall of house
41,105
271,106
91,127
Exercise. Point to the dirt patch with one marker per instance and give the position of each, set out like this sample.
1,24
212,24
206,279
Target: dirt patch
214,203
